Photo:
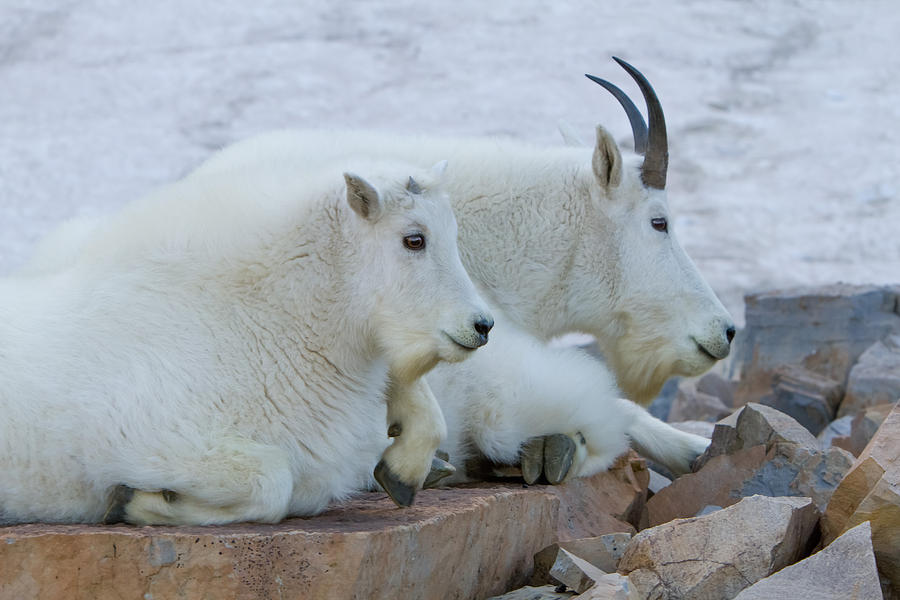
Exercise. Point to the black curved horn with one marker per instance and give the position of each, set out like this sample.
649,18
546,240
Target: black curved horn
656,159
638,126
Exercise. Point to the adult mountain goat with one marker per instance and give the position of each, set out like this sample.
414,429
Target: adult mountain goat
222,350
558,240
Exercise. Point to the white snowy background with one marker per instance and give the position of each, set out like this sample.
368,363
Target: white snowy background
783,115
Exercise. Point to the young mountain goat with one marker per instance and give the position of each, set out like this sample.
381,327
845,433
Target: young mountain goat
223,349
558,240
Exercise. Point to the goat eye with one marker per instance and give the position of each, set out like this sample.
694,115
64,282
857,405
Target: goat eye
660,224
414,242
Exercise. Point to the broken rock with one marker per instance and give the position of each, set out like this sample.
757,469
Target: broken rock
573,572
863,427
824,329
810,398
701,558
844,570
608,502
871,492
784,469
602,551
757,450
875,378
756,425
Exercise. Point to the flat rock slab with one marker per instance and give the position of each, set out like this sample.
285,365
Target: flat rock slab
470,542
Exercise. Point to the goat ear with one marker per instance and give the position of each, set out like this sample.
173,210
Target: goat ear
363,198
607,161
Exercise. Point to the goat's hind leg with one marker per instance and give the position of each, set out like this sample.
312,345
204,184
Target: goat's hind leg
416,423
232,481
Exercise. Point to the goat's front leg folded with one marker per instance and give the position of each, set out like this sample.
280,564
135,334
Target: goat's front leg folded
417,425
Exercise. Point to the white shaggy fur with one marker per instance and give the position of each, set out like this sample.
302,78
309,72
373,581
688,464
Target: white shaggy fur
230,338
558,240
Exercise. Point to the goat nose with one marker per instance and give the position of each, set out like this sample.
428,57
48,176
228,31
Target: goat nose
483,325
729,333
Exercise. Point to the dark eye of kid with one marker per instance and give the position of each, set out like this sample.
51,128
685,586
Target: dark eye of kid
414,242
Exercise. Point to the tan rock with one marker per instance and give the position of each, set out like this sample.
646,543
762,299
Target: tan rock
844,570
785,470
462,543
701,558
757,450
716,483
882,508
602,551
863,427
756,425
871,492
609,502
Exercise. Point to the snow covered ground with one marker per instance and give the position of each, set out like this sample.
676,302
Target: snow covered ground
783,116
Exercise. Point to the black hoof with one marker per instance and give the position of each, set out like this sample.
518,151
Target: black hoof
401,493
559,452
440,469
532,459
118,500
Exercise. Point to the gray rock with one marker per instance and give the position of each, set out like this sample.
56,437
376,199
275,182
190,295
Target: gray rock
544,592
837,428
824,329
756,425
810,398
701,558
784,469
716,385
691,405
875,378
843,570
